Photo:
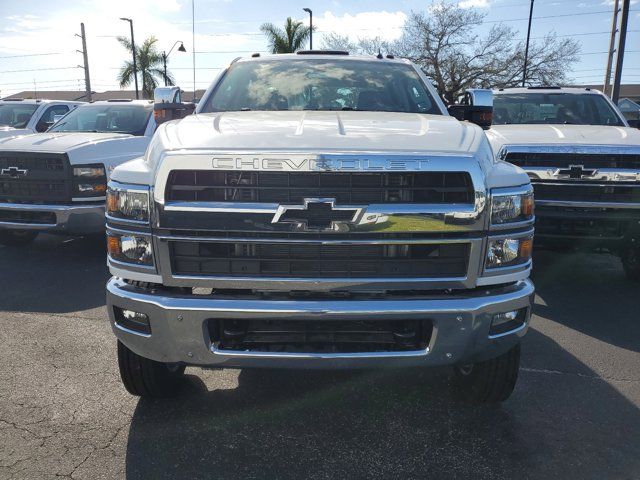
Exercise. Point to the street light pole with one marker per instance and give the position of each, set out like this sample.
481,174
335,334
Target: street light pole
308,10
133,48
526,48
164,59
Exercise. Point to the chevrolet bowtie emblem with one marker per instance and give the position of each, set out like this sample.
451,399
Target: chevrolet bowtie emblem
14,172
575,171
316,214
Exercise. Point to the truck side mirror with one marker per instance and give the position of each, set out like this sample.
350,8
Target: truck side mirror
168,105
476,107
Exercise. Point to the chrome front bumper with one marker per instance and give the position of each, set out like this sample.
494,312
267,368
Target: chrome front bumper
461,326
73,219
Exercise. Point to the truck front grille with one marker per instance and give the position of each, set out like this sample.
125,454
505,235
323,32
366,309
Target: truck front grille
564,160
354,188
40,178
317,260
320,336
587,192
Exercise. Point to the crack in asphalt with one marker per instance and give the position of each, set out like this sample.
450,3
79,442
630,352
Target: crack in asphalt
578,374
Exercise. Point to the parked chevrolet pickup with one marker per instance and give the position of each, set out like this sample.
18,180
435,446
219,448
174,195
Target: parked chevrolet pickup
320,211
584,162
56,181
25,116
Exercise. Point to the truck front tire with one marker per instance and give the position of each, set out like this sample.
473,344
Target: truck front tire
631,263
491,381
147,378
17,238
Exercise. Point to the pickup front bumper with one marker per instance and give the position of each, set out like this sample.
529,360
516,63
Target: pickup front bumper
71,219
179,333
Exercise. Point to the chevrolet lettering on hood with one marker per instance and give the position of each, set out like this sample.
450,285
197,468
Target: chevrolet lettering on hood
318,163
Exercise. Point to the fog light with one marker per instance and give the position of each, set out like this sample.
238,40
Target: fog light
130,249
506,322
136,321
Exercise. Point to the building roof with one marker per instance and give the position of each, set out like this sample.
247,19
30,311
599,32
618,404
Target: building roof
79,95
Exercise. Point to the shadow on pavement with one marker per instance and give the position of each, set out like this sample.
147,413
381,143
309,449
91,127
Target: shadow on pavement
385,424
588,293
54,275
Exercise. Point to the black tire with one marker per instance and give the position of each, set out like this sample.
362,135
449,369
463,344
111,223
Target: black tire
17,238
491,381
631,263
147,378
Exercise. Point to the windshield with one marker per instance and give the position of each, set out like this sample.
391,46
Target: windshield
553,108
16,116
115,118
305,84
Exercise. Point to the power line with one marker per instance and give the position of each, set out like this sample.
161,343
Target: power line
550,16
39,69
34,55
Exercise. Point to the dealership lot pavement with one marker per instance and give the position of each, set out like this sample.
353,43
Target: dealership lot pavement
63,413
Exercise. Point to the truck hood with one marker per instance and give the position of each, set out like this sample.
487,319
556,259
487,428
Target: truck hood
322,131
561,135
58,141
12,132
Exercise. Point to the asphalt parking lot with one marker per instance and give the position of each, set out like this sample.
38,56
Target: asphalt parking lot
63,412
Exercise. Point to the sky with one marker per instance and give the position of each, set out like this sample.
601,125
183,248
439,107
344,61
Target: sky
38,42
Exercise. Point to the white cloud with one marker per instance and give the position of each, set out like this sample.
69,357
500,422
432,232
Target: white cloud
612,2
474,4
383,24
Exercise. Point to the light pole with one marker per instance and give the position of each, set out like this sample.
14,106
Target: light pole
133,48
526,49
164,59
308,10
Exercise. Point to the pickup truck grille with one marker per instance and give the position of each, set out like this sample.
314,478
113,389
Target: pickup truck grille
34,178
587,192
563,160
317,260
346,187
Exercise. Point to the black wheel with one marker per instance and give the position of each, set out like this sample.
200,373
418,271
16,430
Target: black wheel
17,238
491,381
147,378
631,263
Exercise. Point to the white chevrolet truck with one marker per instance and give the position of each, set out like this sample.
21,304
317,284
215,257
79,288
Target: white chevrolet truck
584,163
320,211
56,181
23,116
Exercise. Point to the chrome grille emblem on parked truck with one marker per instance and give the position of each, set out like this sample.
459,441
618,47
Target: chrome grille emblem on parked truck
575,171
14,172
317,214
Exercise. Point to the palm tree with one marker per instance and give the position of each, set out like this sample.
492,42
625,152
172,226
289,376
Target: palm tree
149,65
289,40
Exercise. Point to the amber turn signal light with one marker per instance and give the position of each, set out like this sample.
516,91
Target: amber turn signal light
113,246
527,205
526,248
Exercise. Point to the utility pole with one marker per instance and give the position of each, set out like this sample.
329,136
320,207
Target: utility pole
133,49
612,47
193,41
526,48
85,56
624,20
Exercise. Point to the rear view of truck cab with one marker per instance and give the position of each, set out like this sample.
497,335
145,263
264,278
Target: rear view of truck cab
320,211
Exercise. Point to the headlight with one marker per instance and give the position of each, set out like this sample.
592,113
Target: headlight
130,248
128,204
89,181
511,208
506,252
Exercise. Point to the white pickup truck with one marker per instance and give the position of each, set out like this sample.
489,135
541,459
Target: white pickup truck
56,181
21,117
320,211
584,163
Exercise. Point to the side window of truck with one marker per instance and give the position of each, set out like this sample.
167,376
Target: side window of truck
47,118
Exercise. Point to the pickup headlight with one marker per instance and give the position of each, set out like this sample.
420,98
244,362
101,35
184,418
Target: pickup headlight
134,249
511,207
128,204
89,181
507,252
